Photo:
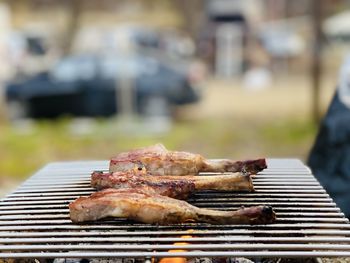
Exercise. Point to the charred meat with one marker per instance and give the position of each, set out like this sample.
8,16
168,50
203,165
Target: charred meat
173,186
157,160
149,207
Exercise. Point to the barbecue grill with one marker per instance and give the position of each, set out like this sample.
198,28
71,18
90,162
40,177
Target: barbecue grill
34,220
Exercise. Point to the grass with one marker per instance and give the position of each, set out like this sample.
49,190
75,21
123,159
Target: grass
229,122
26,147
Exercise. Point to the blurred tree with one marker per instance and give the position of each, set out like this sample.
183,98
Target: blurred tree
193,14
75,10
316,67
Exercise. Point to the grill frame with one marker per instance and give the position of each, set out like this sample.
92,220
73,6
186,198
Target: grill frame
34,220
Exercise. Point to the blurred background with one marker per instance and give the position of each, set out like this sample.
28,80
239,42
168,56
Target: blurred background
86,79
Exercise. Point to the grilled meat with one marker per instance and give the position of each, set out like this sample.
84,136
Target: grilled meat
158,160
149,207
173,186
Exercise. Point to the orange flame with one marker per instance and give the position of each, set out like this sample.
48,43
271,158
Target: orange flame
177,259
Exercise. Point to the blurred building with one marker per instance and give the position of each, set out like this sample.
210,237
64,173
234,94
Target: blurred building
230,35
237,35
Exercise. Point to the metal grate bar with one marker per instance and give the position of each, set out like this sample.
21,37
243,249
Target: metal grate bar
224,239
65,211
227,232
111,226
56,219
253,195
293,211
219,247
189,254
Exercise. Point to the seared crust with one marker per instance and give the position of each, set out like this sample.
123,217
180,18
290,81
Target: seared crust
158,160
148,207
173,186
176,188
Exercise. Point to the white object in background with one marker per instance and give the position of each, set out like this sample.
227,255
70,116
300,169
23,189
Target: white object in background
257,78
5,28
337,25
229,50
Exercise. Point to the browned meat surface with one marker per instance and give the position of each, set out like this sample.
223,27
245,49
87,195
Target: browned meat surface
158,160
149,207
173,186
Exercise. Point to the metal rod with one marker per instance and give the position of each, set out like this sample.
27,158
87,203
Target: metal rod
233,233
236,232
109,227
225,239
45,208
122,247
189,254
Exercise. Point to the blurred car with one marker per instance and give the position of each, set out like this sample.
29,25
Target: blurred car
283,43
168,41
88,84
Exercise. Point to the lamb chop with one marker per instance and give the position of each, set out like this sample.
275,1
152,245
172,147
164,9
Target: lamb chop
149,207
173,186
158,160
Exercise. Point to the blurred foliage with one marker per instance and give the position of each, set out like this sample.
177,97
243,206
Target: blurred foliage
25,148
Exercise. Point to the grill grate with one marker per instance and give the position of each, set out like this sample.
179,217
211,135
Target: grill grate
34,220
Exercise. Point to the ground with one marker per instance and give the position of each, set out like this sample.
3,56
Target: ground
229,121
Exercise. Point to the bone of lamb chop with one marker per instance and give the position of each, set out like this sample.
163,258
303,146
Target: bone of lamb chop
150,207
158,160
173,186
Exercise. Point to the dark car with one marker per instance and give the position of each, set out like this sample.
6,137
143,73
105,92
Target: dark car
89,84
